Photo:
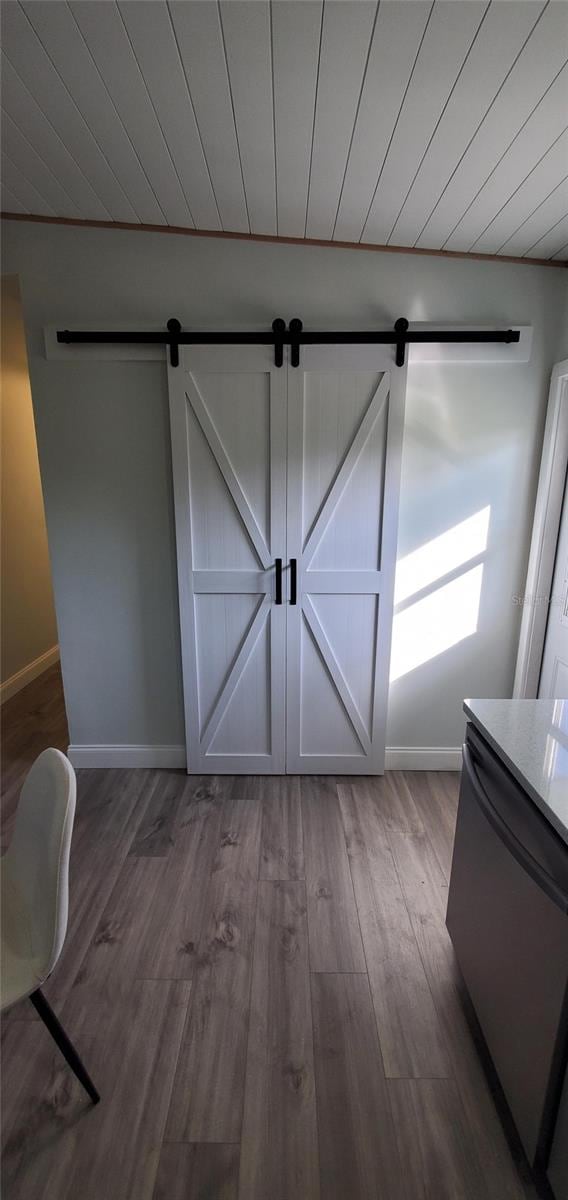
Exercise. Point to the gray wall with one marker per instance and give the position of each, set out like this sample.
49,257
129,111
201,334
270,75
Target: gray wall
562,349
472,439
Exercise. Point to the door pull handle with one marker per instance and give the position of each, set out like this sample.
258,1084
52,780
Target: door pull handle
293,581
278,594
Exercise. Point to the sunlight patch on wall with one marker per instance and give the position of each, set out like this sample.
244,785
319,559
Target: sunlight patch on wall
442,554
436,623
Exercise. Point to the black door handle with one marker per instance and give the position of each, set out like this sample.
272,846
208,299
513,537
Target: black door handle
293,581
278,596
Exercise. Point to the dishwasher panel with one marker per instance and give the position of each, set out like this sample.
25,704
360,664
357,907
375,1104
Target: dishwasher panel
558,1165
507,919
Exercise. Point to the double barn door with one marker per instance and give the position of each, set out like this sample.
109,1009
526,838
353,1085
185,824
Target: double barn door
286,486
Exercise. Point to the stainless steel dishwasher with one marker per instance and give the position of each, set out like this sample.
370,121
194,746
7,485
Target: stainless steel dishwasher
507,917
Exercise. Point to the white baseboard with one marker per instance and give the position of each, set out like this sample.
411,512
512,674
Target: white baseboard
20,680
127,756
398,758
423,758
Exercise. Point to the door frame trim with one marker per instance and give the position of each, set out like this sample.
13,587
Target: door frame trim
546,525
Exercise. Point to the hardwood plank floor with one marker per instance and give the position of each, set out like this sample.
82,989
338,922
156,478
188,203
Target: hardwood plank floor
191,1171
358,1152
433,1140
282,845
409,1029
208,1094
435,795
243,1042
279,1155
30,721
425,891
55,1143
335,935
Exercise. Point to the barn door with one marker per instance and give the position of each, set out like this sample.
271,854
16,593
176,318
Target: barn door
345,417
228,427
302,465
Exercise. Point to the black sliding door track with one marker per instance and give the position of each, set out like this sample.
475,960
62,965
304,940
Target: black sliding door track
293,335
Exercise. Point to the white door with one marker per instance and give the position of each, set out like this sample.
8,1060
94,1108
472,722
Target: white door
345,421
303,465
228,428
554,671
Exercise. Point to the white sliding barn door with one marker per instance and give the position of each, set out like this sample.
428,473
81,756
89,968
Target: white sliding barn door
345,420
228,426
299,464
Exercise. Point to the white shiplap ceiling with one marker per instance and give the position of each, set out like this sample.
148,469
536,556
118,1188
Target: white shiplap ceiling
437,125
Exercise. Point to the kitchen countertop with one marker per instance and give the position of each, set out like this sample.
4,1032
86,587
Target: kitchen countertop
531,738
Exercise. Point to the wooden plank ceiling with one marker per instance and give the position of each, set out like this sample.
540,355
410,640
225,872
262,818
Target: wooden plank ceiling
405,123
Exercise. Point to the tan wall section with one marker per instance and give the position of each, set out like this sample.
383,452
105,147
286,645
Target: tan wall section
28,628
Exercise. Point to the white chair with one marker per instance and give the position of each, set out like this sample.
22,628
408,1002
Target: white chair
35,894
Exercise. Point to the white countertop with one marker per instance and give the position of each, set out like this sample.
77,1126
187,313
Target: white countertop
531,738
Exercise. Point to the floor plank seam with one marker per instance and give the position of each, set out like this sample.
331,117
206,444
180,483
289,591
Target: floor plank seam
251,979
316,1104
436,1006
363,943
313,972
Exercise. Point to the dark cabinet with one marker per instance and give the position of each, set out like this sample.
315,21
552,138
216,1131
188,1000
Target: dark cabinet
558,1162
507,917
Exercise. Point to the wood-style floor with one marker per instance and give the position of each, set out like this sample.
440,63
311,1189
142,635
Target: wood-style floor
29,722
258,976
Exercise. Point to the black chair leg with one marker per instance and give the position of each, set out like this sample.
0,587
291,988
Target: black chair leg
67,1048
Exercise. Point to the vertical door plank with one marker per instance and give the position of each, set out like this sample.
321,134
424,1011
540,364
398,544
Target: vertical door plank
409,1031
434,1142
208,1092
282,845
335,936
197,1172
358,1153
228,423
279,1157
425,891
345,424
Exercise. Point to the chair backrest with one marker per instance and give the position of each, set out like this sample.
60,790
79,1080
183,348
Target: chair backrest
37,858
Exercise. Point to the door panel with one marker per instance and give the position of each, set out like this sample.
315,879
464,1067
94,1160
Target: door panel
232,546
344,446
286,463
228,422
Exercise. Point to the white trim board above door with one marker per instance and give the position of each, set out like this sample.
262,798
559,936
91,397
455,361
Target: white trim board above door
299,466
